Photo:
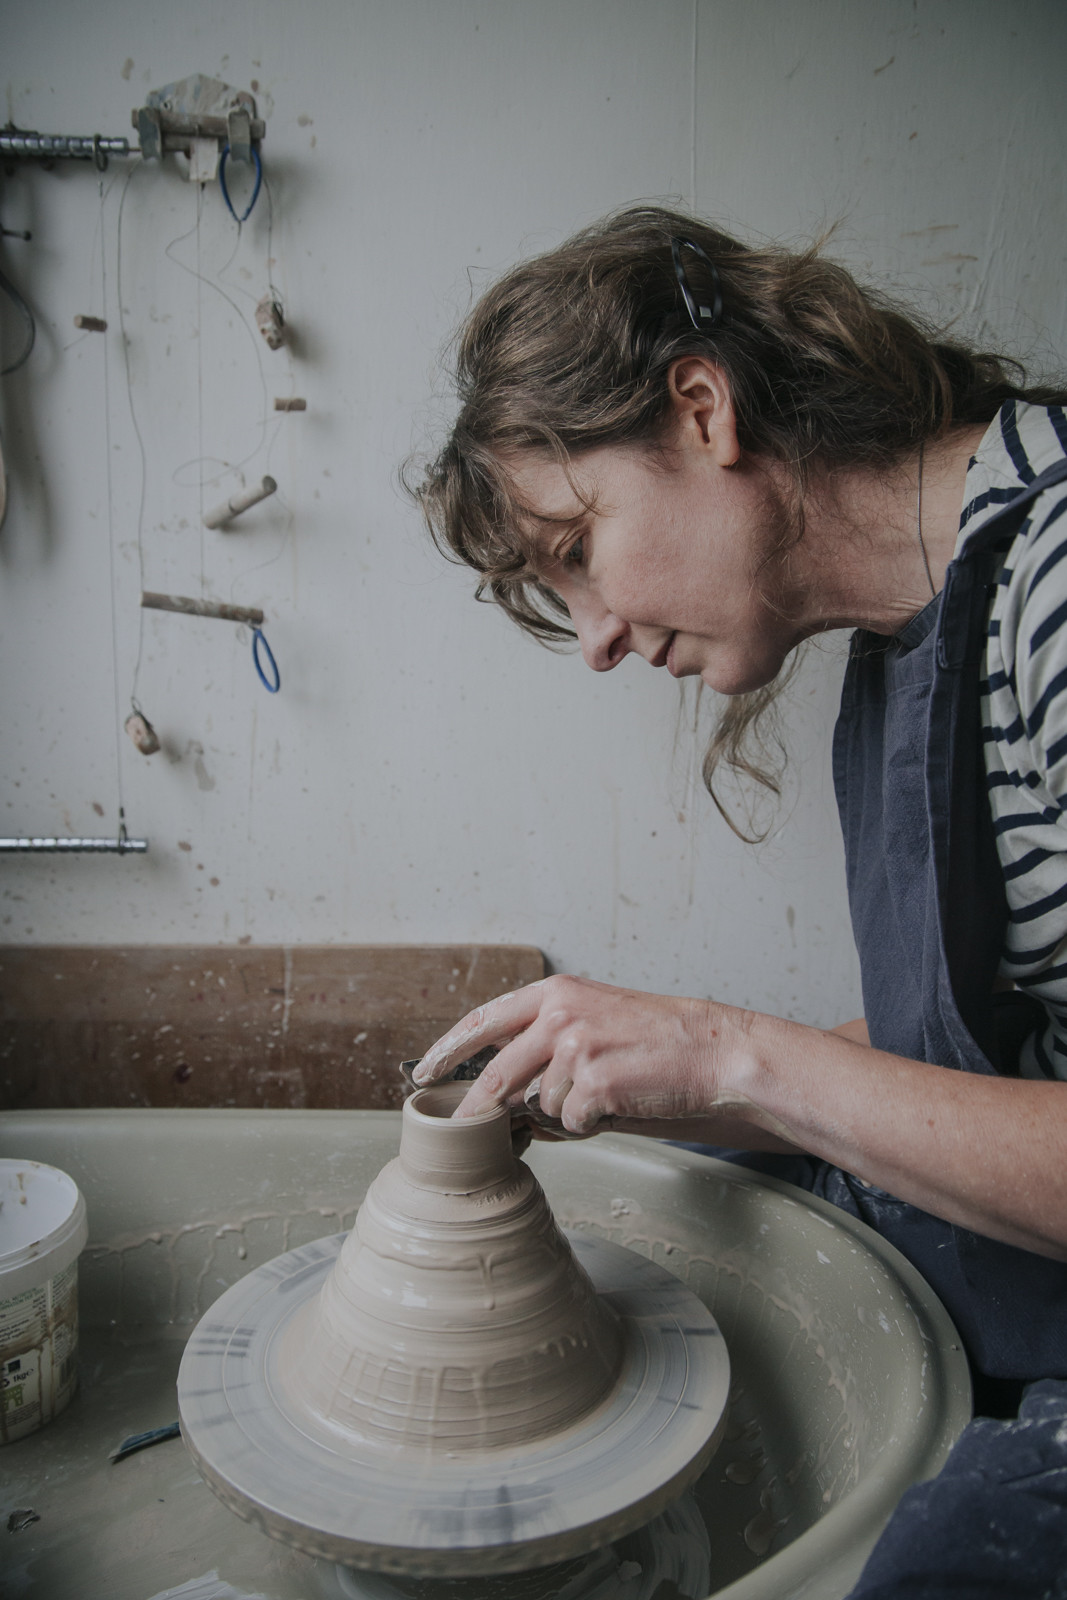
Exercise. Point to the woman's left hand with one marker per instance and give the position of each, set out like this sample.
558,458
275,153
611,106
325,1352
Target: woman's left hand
593,1054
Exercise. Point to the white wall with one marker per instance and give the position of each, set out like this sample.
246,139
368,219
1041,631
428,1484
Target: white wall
426,773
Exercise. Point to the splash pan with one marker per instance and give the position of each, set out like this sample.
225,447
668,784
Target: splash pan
848,1383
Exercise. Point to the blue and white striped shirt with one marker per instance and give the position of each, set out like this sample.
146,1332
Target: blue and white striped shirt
1024,711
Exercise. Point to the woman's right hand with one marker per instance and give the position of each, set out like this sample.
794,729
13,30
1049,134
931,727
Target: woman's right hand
594,1055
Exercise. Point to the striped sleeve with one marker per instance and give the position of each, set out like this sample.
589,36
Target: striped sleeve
1033,648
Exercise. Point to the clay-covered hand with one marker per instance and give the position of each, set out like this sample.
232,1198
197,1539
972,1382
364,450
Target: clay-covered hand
593,1055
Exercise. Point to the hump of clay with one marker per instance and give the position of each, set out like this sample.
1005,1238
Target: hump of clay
456,1317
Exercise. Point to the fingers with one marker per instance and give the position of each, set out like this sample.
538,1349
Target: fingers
497,1022
506,1078
579,1114
541,1064
553,1097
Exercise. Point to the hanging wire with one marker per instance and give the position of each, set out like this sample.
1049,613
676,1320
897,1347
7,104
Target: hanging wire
264,662
276,434
136,429
26,314
111,517
223,162
200,385
214,282
270,238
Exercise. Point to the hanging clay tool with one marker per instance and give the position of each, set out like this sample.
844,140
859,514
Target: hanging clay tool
270,320
293,403
237,503
142,733
190,607
457,1387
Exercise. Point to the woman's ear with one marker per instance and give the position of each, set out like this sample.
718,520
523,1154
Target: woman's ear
704,407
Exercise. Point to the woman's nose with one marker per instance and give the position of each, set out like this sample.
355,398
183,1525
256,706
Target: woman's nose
604,638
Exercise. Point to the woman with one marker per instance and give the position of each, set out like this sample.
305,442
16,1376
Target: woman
705,454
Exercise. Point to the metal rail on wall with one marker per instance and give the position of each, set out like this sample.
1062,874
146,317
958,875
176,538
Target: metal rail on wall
92,147
116,847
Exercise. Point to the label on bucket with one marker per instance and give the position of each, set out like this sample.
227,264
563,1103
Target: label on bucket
38,1353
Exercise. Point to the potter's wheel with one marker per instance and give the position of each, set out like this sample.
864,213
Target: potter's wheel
669,1556
312,1486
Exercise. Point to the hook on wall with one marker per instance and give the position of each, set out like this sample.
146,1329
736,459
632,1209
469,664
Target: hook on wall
210,122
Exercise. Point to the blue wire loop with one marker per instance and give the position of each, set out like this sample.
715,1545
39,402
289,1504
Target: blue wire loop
257,163
259,641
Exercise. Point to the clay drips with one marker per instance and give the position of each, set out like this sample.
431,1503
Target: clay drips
457,1317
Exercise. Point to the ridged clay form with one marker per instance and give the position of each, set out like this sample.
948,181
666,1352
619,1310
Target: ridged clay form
457,1318
456,1388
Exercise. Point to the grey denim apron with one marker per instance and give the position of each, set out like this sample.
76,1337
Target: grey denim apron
929,915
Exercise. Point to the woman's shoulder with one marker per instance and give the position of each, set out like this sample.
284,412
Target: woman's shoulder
1021,443
1028,438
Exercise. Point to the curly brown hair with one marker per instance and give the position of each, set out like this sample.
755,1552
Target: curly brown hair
571,351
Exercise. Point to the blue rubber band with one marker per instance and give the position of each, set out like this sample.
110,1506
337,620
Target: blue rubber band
223,158
258,639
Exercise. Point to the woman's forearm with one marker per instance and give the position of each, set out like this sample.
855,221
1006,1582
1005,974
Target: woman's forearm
984,1152
724,1129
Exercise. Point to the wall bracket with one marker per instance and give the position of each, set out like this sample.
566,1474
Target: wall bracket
194,111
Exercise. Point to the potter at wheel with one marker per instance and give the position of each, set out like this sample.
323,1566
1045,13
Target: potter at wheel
443,1392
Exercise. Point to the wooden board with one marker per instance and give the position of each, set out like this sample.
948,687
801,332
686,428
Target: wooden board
196,1025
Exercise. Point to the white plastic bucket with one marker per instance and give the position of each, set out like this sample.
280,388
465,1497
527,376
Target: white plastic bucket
42,1232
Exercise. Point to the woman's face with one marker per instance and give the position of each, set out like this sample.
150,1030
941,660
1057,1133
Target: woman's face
683,564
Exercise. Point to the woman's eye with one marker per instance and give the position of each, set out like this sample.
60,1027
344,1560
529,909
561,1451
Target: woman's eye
575,555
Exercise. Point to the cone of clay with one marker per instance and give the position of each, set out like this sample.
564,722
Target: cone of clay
457,1318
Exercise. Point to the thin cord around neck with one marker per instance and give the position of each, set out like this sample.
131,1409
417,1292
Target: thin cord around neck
919,524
